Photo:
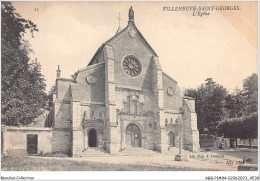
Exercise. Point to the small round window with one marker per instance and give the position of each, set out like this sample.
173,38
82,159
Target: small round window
132,66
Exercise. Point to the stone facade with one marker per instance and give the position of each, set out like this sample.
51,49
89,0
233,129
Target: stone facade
14,140
122,99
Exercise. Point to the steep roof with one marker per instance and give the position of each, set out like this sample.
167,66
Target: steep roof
119,33
138,32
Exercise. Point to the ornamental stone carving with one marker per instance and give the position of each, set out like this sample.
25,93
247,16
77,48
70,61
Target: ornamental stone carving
170,91
131,32
91,79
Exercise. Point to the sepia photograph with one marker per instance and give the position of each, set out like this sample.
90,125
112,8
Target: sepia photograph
129,86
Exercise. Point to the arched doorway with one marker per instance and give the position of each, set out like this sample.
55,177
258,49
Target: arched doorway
92,138
133,136
171,139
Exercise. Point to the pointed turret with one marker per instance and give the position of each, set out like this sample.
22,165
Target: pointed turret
58,72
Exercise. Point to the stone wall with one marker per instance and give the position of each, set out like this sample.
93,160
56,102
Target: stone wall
174,101
62,114
15,139
61,141
127,45
92,92
62,136
63,91
112,128
77,131
190,131
160,137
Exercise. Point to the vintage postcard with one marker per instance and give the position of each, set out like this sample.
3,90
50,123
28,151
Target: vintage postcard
129,86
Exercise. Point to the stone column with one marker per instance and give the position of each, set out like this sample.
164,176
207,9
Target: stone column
190,125
85,138
77,135
84,146
158,95
113,137
100,140
122,136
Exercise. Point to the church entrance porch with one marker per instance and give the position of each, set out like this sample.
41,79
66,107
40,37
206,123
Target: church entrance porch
92,134
171,139
92,138
133,136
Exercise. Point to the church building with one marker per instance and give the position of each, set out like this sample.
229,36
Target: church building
121,100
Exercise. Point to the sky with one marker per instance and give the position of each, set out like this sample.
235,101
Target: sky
222,45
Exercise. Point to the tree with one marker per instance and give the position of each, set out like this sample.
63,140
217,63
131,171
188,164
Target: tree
250,91
23,85
244,102
249,127
210,105
49,102
243,127
236,104
231,128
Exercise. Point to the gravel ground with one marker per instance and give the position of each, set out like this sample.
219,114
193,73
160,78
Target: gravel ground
240,153
203,161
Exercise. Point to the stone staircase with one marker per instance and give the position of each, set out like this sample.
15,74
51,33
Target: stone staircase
138,152
94,152
99,152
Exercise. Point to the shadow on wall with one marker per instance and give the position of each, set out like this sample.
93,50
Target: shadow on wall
61,137
98,88
65,98
147,83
